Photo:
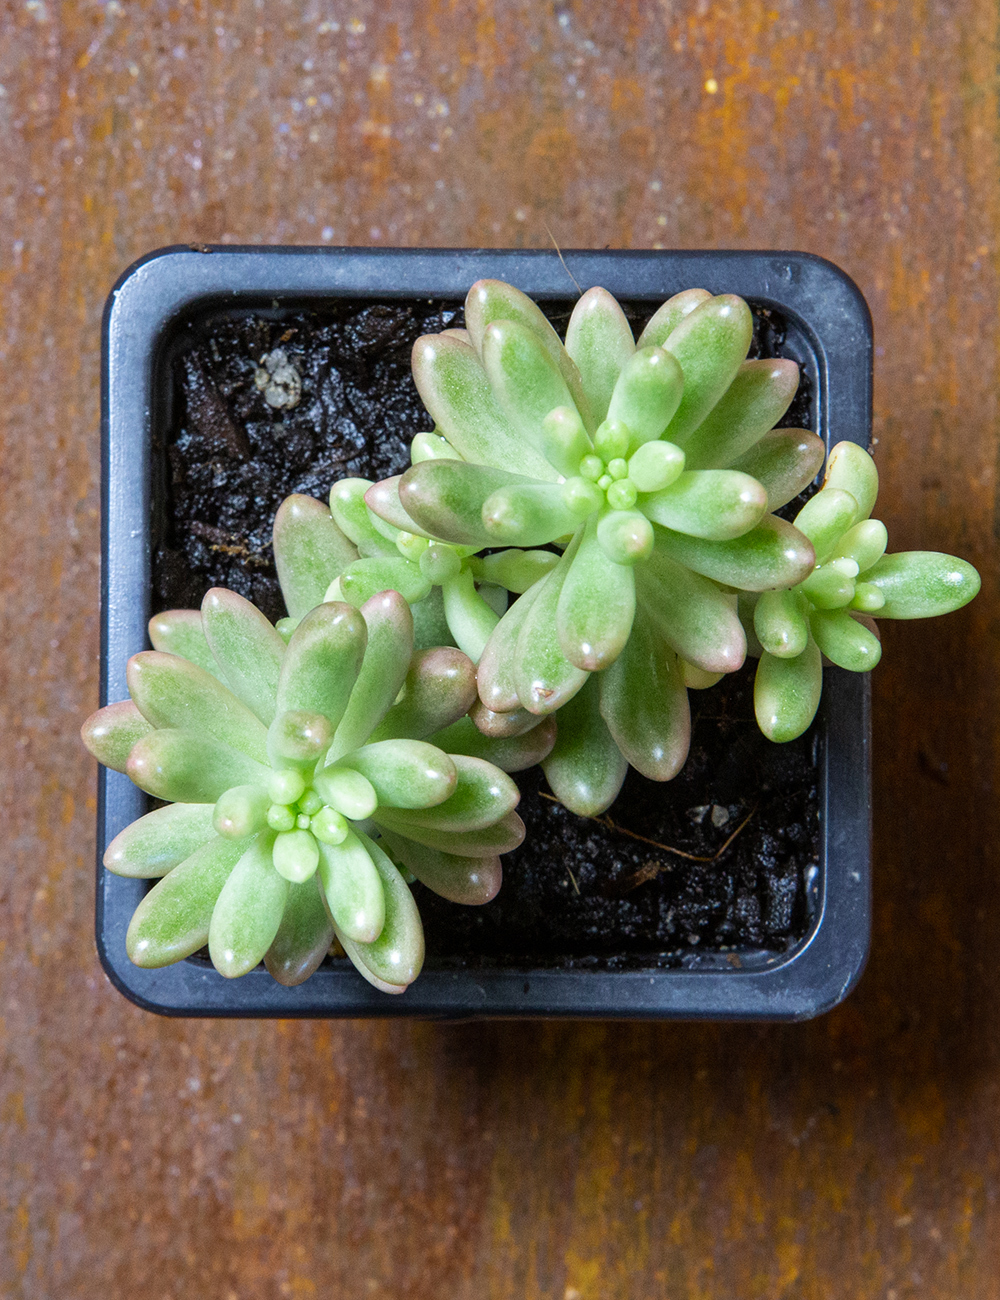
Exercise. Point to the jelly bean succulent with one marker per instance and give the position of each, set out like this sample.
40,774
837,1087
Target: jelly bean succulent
832,611
303,780
653,466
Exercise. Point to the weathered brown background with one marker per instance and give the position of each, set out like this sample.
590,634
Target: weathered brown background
854,1157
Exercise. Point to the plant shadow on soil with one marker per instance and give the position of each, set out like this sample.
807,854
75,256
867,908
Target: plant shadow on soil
580,893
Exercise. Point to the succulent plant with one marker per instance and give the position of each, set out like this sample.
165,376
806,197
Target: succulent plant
832,611
301,779
652,466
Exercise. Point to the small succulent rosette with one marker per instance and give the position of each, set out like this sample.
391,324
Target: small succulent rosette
654,467
306,786
832,612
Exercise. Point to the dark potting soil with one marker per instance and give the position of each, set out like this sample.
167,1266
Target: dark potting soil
741,817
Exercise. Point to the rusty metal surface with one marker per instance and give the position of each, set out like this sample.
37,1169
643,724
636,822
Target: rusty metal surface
851,1158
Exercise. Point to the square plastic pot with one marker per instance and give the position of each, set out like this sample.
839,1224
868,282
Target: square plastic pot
828,333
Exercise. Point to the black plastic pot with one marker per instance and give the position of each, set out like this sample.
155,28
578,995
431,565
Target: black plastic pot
829,333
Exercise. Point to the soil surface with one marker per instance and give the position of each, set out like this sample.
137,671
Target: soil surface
580,892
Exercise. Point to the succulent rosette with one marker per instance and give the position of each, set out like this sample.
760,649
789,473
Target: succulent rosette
302,780
653,465
832,612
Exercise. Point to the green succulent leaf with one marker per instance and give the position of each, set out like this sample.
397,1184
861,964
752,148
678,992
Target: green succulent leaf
644,703
309,552
501,837
825,518
482,795
511,753
298,739
446,497
655,465
387,514
347,791
718,504
248,650
585,768
514,570
405,773
780,621
647,394
923,584
431,446
383,670
563,440
440,687
774,554
180,632
543,676
353,518
525,379
784,462
303,939
112,732
471,619
754,402
323,661
710,343
157,843
394,960
529,514
691,614
363,580
455,389
239,811
850,469
490,723
174,692
173,919
495,678
470,881
864,543
599,340
787,692
430,627
845,642
187,767
596,605
667,317
246,917
352,886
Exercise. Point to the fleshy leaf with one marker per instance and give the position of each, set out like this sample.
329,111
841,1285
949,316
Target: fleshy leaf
309,552
446,498
514,570
500,837
298,739
405,773
923,584
786,693
353,890
511,753
850,469
383,670
525,379
111,733
527,514
596,605
755,401
599,340
471,619
545,679
174,692
430,627
647,394
247,648
774,554
644,703
470,881
388,516
845,642
864,543
493,300
784,462
563,440
586,768
779,620
158,842
303,939
482,795
495,677
713,503
173,919
248,913
431,446
350,512
453,385
439,688
363,580
180,632
667,317
493,724
394,960
691,614
240,811
347,791
625,536
711,344
323,660
825,518
186,767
